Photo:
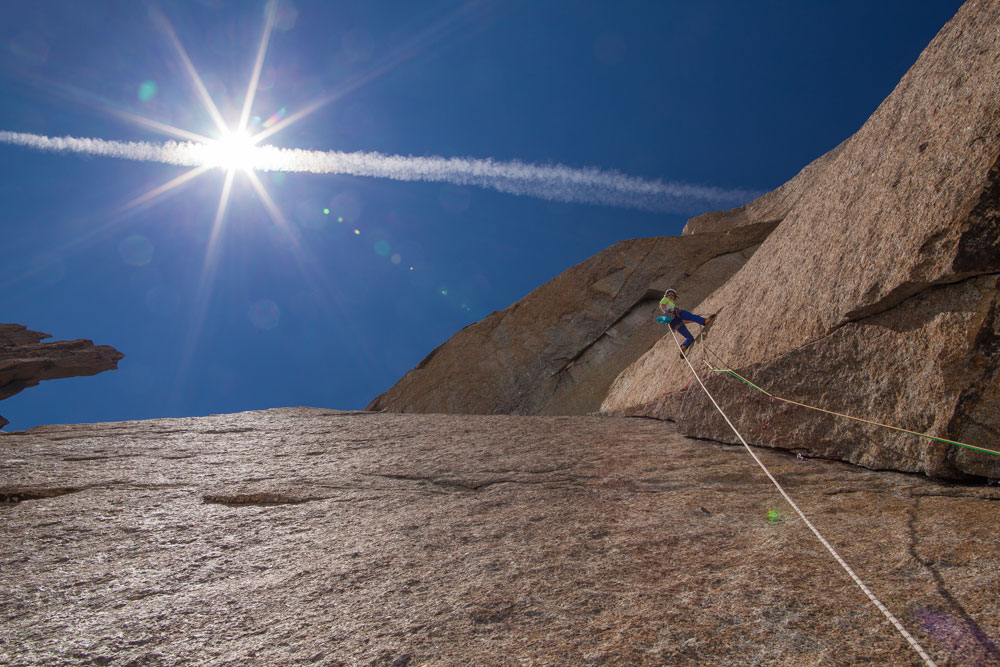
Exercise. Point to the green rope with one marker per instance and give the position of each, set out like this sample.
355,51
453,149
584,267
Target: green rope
841,414
741,379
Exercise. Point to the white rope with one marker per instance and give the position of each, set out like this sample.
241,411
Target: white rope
871,596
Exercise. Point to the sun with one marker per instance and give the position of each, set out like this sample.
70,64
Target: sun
232,152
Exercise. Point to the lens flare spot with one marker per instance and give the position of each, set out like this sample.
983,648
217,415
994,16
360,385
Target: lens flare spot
147,90
357,232
136,250
382,248
340,218
444,291
326,211
275,117
954,631
264,314
395,259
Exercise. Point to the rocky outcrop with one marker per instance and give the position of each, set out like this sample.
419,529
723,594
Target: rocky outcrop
25,360
876,296
314,537
557,350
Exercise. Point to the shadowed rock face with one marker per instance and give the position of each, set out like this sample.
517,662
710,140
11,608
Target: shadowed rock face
25,360
558,349
305,536
877,294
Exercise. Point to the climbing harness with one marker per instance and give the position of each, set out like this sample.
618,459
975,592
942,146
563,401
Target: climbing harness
847,568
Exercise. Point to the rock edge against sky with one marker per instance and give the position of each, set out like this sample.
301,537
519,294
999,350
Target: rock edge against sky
867,285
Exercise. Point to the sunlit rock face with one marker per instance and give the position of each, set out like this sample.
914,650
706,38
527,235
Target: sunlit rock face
557,350
314,537
876,295
25,360
771,207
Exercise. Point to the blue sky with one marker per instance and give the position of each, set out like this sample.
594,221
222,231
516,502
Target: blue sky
291,306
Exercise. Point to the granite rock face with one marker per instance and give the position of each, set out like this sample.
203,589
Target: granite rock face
876,295
558,349
771,207
25,360
866,285
304,536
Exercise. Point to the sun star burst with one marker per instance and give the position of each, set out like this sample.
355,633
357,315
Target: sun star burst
232,152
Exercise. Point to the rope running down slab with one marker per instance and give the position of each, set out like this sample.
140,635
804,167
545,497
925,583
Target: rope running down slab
847,568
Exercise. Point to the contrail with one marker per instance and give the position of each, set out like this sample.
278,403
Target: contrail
551,182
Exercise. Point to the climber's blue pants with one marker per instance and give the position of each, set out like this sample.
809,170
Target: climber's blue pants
677,324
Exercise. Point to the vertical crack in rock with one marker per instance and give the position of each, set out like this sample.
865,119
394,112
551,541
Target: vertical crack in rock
987,361
956,630
519,365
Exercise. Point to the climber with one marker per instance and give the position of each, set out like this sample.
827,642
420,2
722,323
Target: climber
677,317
